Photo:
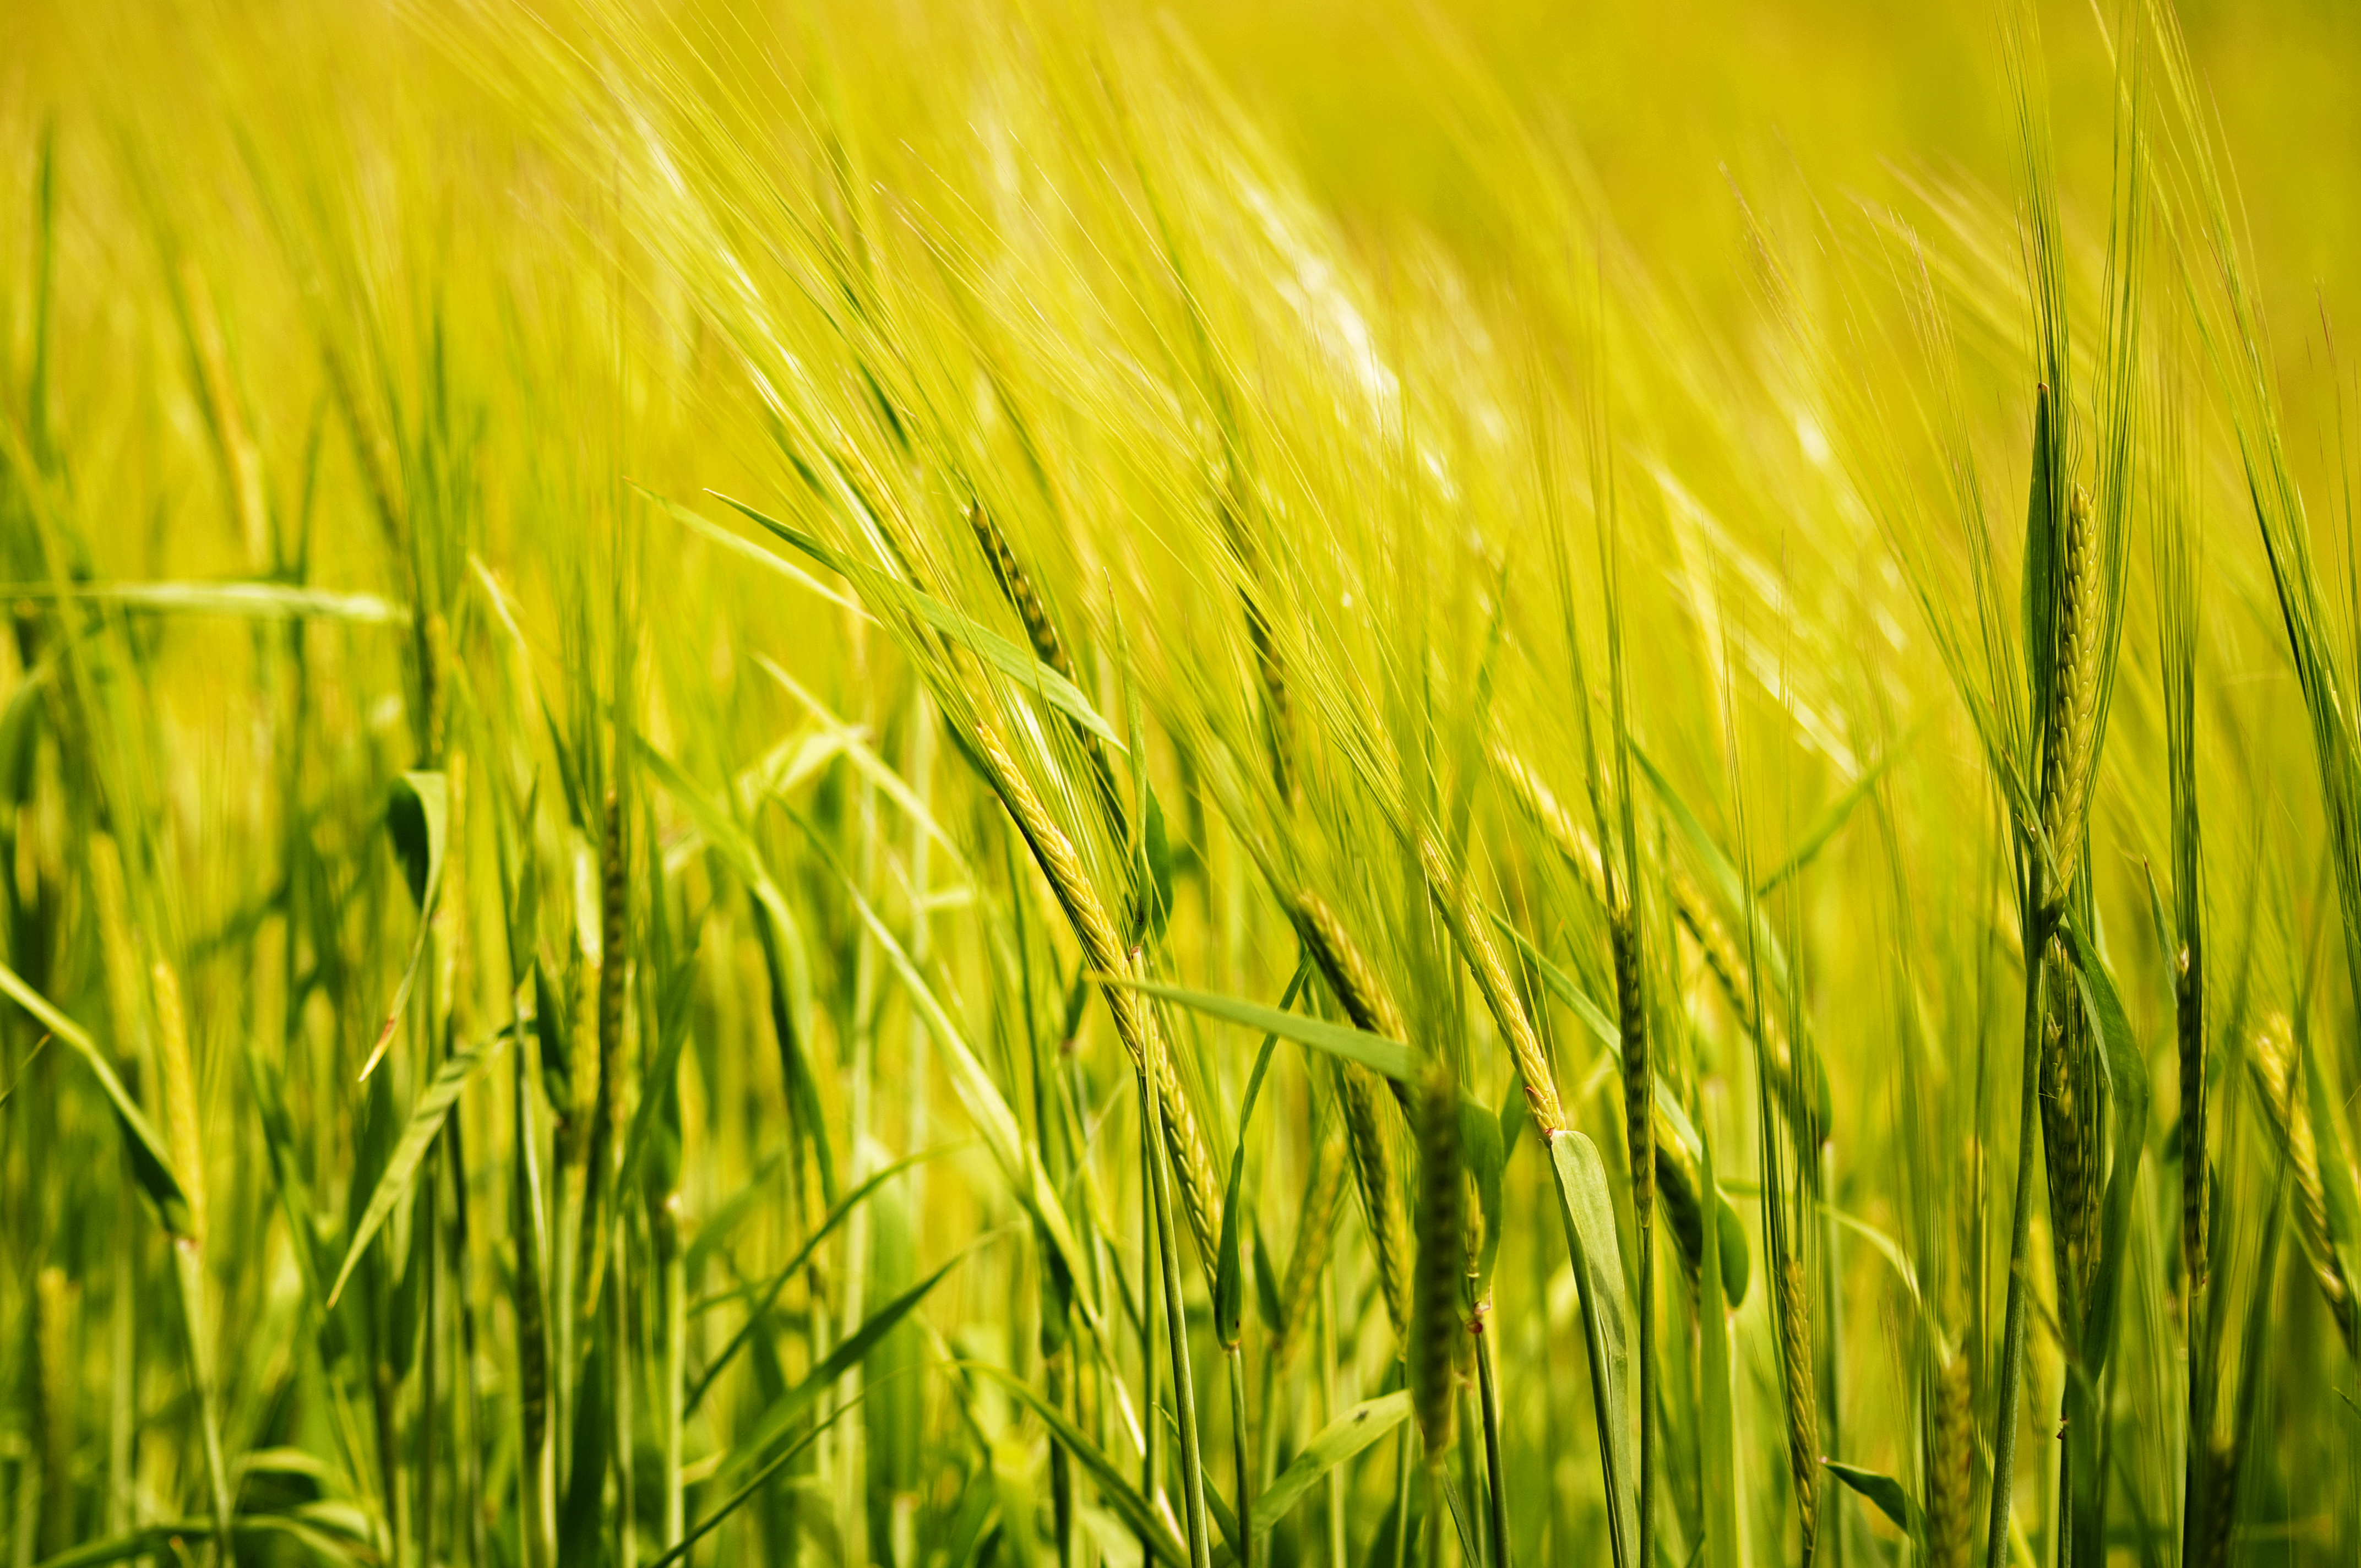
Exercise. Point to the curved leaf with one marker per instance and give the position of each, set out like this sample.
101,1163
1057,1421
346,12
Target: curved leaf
1882,1491
149,1163
417,815
434,1102
1589,1214
1391,1058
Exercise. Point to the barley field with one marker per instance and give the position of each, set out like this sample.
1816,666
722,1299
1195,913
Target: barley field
1033,782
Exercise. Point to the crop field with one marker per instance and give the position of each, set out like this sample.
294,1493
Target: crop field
1026,783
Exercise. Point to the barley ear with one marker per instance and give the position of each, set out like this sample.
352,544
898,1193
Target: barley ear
1470,929
1803,1399
1352,977
1017,587
2273,1061
1442,1263
1135,1020
1950,1466
2070,1094
1639,1118
1370,1139
2069,729
1314,1238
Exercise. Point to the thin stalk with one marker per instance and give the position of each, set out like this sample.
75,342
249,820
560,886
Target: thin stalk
1496,1474
852,1454
1184,1392
538,1479
122,1409
676,1371
426,1424
188,1257
1241,1444
2012,1349
1401,1494
471,1447
1646,1388
627,1532
1151,1443
1328,1411
1436,1509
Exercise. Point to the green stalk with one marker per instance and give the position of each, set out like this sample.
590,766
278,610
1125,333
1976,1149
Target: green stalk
2011,1349
1645,1386
1151,1444
1436,1509
676,1370
1184,1392
537,1476
122,1404
1402,1495
1241,1446
1329,1410
189,1259
1495,1474
620,1445
430,1257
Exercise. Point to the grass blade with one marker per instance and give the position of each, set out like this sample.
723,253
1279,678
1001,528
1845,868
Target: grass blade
417,1136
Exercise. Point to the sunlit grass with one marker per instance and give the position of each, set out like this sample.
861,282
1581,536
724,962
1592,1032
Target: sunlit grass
839,788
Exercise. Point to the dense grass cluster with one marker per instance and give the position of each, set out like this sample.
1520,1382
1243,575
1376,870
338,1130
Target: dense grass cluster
814,791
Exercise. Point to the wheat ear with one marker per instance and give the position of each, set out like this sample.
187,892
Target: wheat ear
1718,949
1315,1235
1017,587
1470,930
2190,1019
2069,1128
1369,1127
2070,728
1950,1467
1803,1411
2273,1061
1442,1261
1135,1020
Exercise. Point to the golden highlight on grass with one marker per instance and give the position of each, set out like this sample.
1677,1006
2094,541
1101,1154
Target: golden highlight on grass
1670,706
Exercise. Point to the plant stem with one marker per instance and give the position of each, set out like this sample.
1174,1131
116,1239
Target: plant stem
1152,1432
1328,1410
1184,1393
1647,1386
1495,1474
1241,1441
2012,1352
676,1370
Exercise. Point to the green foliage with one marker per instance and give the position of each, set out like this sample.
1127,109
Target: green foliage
662,1029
